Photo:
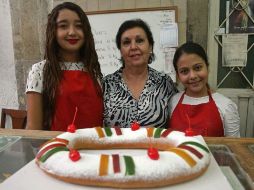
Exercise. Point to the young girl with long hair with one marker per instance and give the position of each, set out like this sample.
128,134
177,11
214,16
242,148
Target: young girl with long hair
67,82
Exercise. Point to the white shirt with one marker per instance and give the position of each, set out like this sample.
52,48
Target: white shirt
35,76
226,107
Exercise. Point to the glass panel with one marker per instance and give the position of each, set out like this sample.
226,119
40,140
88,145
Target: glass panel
224,157
251,147
15,153
6,141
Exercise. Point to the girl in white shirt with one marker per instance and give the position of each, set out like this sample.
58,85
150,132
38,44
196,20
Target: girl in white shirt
66,83
198,110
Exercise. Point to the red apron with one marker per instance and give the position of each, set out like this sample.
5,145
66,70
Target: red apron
77,89
204,118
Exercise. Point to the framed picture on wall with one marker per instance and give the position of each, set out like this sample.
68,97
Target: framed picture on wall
242,18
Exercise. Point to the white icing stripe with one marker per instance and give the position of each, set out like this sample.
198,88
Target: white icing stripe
49,144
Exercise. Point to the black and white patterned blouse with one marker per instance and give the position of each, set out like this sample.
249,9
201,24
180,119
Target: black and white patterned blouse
152,108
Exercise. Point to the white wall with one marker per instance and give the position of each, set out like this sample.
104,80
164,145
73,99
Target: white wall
8,83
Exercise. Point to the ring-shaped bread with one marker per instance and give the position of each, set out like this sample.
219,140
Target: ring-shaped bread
181,158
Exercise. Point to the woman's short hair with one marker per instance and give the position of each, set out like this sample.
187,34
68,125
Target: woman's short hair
129,24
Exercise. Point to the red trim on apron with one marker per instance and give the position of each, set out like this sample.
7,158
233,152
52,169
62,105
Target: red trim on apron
204,118
77,89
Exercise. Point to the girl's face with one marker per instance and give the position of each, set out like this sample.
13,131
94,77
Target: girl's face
192,71
135,48
69,34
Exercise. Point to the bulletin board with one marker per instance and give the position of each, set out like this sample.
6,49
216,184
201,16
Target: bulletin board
105,25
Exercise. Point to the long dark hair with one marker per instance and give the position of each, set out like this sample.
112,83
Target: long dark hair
52,73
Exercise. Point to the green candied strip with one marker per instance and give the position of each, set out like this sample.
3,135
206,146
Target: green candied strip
129,164
53,151
157,133
196,144
108,131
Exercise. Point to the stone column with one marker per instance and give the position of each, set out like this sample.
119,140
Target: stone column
28,19
8,82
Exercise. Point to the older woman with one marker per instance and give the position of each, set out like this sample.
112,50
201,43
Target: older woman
136,93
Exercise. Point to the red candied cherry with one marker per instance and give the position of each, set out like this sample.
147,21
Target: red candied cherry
71,128
189,132
135,126
74,155
153,153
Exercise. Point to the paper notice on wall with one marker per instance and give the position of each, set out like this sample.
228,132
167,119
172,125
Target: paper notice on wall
169,35
168,67
234,50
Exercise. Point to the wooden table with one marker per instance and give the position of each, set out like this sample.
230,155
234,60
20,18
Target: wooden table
240,147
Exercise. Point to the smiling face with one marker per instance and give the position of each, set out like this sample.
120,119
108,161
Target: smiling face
192,71
135,48
69,34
